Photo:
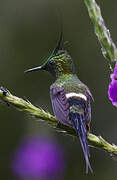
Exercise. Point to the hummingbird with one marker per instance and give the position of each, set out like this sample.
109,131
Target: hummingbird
70,97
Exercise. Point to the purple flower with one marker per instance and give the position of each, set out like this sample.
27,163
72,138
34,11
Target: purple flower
112,90
38,158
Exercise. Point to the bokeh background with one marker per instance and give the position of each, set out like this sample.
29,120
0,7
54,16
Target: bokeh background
29,30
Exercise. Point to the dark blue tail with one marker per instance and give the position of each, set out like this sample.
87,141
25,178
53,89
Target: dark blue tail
80,127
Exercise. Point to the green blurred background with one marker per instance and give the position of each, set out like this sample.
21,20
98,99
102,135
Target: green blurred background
29,30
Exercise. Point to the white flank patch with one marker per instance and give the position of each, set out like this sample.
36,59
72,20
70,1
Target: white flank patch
80,95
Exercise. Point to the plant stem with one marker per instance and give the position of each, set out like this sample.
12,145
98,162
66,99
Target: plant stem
109,49
26,106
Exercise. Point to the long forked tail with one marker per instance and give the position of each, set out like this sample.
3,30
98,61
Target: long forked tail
80,127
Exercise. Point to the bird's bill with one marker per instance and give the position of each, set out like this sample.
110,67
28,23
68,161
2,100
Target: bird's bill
35,69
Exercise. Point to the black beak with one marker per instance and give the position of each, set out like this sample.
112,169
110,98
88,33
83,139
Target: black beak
35,69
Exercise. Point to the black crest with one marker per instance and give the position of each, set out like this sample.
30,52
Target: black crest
59,44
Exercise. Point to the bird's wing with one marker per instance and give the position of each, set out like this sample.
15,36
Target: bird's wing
60,104
71,111
88,108
89,96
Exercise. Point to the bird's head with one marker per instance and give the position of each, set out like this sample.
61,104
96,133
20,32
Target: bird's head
59,63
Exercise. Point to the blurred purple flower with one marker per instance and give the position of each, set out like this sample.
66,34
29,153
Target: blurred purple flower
112,90
38,158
